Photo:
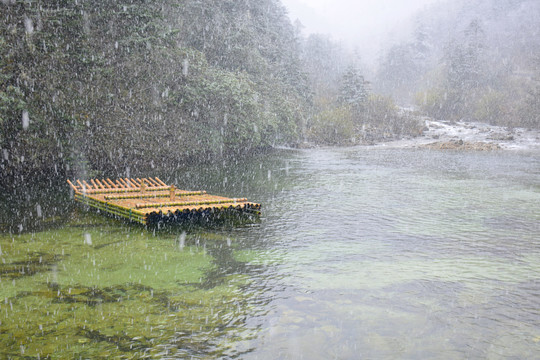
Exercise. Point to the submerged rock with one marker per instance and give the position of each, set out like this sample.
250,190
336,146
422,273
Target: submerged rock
462,145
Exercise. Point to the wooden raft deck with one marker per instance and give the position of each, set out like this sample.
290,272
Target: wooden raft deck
150,200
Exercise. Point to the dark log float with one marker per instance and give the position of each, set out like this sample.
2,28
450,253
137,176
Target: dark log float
151,202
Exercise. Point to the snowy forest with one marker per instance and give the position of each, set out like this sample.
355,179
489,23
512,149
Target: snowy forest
471,60
110,86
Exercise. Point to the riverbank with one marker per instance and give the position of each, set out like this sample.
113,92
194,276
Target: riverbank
470,136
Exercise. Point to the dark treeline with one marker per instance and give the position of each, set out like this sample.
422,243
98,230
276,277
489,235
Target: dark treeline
129,86
114,85
471,60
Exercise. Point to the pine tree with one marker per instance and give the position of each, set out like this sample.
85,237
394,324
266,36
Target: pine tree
353,90
464,72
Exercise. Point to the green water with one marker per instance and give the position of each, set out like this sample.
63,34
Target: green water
108,290
359,253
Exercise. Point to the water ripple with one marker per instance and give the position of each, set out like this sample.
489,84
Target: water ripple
408,254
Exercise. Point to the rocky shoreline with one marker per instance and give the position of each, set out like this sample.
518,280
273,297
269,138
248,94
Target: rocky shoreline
470,136
462,145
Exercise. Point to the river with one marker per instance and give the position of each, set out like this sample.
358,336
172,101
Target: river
360,252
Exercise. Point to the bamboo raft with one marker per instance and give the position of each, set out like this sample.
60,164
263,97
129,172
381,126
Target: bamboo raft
150,201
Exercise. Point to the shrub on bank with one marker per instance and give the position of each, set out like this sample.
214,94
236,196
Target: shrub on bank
383,120
332,126
380,120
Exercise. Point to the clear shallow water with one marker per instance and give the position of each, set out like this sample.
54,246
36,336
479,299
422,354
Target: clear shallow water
360,253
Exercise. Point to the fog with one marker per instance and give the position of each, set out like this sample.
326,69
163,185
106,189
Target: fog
362,25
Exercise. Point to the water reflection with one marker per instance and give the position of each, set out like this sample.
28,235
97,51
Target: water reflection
34,207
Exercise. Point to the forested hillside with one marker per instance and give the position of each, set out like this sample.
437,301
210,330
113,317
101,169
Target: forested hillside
468,60
137,84
130,86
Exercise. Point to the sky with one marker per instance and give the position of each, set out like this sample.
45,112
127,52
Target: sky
361,24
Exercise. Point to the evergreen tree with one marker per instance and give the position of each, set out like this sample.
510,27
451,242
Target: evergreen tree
464,74
402,67
464,59
397,71
325,61
353,90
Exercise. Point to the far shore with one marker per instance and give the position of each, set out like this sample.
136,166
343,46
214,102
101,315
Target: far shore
460,135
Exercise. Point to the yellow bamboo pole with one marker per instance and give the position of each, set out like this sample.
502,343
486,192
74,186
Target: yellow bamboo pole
112,184
88,186
130,183
94,183
72,186
153,182
190,203
110,207
149,183
133,190
156,194
124,182
100,184
161,182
